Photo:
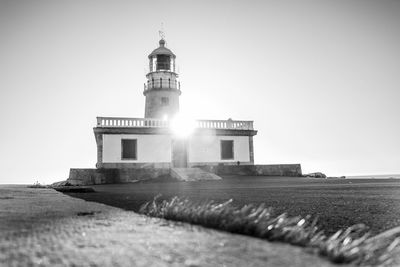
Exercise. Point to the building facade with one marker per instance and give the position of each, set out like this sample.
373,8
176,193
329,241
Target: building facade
152,142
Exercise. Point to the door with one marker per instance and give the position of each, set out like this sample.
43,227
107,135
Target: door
179,153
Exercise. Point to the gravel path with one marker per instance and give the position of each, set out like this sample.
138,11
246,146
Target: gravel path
42,227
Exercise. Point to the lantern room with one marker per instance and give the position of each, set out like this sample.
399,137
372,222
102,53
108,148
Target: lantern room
162,59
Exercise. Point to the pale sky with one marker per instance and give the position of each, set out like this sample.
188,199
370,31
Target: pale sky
320,79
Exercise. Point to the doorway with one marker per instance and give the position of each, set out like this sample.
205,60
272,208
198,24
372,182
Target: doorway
179,153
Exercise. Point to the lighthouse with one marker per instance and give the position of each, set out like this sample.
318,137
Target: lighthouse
131,149
162,89
152,141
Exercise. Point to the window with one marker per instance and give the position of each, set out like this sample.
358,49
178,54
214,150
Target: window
129,148
163,62
226,149
164,101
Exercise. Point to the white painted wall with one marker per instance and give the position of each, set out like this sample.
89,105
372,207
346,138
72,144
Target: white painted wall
150,148
207,148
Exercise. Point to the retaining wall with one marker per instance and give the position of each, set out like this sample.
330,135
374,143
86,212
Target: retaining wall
293,170
127,175
113,176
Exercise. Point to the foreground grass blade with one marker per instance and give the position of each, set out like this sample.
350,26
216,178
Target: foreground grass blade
352,245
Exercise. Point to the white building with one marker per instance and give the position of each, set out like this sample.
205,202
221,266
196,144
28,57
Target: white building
152,142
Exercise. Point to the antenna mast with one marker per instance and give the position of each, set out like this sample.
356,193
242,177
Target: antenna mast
161,32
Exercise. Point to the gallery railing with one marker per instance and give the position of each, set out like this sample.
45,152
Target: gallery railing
117,122
162,83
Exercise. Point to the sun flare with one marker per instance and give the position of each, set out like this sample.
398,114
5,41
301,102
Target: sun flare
181,125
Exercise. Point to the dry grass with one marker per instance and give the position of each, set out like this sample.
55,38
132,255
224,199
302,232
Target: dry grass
353,245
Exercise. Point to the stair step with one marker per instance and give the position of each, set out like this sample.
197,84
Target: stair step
193,174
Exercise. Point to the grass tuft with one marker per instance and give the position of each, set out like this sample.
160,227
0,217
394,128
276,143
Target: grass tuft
353,245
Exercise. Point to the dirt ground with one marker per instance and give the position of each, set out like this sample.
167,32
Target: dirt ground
42,227
337,203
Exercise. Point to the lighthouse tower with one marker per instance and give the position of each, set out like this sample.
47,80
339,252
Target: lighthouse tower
162,89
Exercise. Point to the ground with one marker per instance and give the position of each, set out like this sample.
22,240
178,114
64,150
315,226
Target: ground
338,203
42,227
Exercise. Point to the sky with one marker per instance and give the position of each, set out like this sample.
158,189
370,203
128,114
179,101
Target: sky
320,79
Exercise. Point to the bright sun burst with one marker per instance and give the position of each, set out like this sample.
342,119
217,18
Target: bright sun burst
181,125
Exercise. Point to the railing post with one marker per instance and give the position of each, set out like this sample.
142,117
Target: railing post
229,123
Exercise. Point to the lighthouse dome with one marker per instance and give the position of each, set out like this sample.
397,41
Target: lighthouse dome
162,50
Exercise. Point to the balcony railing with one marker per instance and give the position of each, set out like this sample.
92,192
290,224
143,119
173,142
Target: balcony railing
225,124
162,83
115,122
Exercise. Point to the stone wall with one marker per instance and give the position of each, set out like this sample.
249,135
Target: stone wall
128,175
278,170
293,170
110,176
91,176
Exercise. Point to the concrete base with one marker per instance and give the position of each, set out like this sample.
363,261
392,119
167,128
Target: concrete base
293,170
114,176
129,175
